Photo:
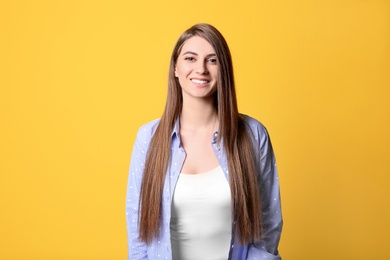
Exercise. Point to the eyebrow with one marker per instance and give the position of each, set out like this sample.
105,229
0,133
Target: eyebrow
194,53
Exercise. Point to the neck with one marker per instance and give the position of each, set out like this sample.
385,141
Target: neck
198,114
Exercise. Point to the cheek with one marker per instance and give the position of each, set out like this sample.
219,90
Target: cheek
216,70
182,70
180,77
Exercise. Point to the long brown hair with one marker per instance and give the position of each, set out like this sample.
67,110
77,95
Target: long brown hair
237,142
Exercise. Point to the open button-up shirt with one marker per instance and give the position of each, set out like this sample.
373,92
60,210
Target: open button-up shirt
160,248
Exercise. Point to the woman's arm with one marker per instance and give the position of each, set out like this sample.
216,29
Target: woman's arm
136,248
270,196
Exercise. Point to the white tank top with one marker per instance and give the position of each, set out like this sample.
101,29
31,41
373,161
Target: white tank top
201,219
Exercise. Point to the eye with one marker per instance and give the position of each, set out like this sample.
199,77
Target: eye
212,60
189,58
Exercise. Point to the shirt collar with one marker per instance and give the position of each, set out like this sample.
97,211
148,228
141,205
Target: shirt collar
176,130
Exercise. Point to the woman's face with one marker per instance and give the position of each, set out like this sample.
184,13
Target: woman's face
197,68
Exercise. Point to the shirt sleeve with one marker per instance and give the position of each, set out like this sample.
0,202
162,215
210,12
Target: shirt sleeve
136,248
271,204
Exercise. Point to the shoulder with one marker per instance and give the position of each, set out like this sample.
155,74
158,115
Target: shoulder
256,127
258,132
150,126
147,130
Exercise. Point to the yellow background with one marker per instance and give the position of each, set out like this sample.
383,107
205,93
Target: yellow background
78,78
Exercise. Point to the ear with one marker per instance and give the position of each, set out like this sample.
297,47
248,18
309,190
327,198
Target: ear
176,72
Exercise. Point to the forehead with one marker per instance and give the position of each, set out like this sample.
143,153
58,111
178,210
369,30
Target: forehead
197,45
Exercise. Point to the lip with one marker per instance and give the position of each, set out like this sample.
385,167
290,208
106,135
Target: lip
200,81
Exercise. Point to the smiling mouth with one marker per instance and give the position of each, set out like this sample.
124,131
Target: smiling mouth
200,81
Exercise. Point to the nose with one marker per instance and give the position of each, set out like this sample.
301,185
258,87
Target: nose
201,68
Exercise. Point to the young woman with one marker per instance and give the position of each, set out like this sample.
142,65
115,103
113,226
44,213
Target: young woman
203,182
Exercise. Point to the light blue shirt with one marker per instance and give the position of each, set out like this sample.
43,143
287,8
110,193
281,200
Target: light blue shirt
268,183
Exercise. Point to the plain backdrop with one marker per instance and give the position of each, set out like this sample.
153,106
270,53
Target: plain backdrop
77,79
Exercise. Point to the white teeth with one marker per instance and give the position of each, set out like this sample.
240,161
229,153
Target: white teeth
199,81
